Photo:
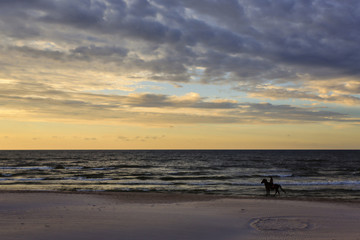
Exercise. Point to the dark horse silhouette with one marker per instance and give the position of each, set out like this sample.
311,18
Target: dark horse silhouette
269,186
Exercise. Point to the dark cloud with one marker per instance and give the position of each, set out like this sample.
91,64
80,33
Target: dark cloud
280,39
83,53
39,53
79,14
88,52
141,8
209,41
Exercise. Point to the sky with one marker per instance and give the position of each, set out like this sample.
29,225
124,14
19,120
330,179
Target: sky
179,74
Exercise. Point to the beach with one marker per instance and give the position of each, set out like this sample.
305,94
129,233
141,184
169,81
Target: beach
65,215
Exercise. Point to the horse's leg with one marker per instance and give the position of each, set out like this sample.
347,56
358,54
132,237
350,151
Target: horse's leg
277,191
267,191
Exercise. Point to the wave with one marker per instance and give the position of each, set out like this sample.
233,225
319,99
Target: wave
106,168
281,175
313,183
22,179
144,183
27,168
74,168
168,178
86,179
204,184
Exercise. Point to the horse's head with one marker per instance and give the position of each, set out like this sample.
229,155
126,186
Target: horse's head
264,181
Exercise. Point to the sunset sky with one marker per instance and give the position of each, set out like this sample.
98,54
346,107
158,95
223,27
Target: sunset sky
188,74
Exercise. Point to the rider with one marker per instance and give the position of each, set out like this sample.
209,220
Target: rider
271,182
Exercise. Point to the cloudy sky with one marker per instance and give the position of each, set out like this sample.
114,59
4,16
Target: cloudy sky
145,74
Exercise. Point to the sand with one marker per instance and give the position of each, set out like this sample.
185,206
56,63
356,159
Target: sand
125,216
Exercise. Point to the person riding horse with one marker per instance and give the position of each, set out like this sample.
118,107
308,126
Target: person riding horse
271,186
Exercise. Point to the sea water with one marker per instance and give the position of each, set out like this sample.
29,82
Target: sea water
329,174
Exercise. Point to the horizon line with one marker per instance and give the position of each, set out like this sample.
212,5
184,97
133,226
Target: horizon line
192,149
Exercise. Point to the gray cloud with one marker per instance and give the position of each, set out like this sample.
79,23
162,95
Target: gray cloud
339,93
48,103
254,40
160,100
50,47
88,52
270,113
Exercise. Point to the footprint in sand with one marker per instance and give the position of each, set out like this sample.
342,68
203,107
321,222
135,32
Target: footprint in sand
281,224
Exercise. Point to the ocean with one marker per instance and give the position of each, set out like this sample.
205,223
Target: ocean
323,174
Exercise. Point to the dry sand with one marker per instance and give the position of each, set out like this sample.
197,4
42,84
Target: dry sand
126,216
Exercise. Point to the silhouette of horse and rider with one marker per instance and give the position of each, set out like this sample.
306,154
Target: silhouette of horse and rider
270,186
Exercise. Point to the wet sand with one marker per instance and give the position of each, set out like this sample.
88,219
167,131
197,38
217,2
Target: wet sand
125,216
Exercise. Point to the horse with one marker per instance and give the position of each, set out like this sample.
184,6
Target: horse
269,187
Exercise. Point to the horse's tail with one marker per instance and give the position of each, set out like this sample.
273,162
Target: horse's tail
282,189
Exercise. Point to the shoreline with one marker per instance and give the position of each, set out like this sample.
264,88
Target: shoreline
174,197
28,215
